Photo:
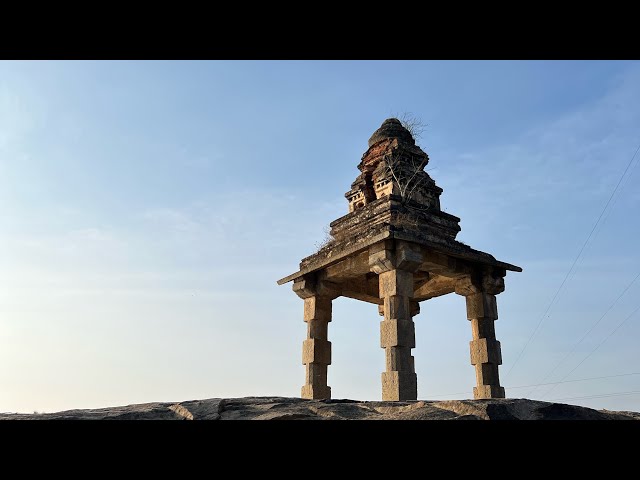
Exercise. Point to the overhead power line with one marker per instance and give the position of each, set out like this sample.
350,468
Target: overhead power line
575,261
615,200
595,349
555,367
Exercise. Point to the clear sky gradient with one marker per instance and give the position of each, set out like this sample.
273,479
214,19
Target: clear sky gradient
148,208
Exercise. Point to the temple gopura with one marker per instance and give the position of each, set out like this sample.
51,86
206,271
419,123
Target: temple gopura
396,248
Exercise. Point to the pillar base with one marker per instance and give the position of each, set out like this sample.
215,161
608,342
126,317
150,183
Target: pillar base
398,386
488,391
312,392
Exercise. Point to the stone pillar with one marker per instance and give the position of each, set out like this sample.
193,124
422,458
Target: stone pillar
486,354
397,332
316,349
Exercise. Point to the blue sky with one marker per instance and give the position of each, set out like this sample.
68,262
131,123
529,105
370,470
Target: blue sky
148,209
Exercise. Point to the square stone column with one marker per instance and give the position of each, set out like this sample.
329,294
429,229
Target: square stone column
486,354
394,264
397,336
316,349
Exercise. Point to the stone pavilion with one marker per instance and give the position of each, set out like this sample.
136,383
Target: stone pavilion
396,248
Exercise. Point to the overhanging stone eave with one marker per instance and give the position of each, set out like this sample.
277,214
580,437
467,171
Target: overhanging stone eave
475,256
472,255
357,248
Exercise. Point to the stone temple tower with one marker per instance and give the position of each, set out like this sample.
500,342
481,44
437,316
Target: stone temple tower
396,248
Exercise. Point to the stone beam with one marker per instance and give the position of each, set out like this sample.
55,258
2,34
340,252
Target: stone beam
420,278
364,288
436,286
349,267
444,265
365,291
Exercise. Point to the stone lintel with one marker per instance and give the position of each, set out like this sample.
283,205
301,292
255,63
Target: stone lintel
443,264
364,288
353,266
436,286
363,297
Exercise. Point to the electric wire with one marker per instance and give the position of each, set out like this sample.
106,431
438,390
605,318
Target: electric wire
575,261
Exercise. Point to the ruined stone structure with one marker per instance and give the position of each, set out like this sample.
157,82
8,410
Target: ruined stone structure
396,248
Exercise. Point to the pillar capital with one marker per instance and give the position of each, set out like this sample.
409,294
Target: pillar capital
305,286
468,285
394,255
314,285
491,282
326,288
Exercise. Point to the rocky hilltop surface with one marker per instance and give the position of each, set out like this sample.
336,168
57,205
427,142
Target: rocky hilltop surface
281,408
